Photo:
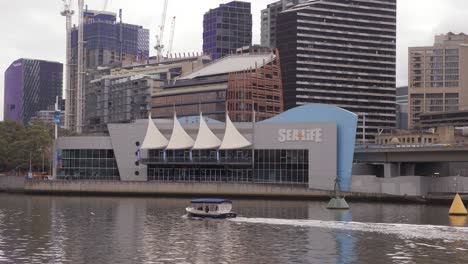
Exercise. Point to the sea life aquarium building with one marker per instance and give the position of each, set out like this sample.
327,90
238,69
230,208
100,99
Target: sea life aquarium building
310,145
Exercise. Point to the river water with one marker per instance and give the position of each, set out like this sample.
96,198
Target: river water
53,229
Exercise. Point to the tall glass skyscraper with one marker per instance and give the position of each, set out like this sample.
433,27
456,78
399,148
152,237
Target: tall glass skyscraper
108,41
227,28
31,86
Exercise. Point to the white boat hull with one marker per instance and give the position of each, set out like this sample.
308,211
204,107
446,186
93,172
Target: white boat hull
210,214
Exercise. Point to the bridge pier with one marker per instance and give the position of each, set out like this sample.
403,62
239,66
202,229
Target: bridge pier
392,170
408,169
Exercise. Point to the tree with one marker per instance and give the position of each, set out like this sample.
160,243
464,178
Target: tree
19,145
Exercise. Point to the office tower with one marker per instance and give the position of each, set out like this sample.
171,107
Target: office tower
436,82
341,53
31,86
108,43
227,28
269,18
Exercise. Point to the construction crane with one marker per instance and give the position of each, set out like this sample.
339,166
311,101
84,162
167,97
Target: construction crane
80,70
159,38
106,4
171,36
68,14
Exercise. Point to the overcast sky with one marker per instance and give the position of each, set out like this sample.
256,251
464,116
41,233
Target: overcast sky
35,29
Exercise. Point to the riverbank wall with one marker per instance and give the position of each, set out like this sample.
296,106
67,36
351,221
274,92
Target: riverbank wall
185,189
171,189
12,183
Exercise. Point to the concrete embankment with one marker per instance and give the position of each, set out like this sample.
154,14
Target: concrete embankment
19,184
12,183
171,189
197,189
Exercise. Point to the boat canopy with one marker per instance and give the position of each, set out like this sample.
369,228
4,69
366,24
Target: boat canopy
154,139
233,139
179,138
206,139
211,200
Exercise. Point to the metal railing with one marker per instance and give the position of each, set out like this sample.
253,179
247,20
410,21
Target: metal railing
197,160
224,180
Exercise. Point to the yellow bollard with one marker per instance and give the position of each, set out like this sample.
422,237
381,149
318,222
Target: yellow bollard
457,208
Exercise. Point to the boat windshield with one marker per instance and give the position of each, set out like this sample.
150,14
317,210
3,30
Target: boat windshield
211,201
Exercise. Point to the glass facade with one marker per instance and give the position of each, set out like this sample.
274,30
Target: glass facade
87,164
282,166
267,166
211,103
110,39
31,86
227,28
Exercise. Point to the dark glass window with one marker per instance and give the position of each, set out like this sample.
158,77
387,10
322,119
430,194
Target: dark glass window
91,164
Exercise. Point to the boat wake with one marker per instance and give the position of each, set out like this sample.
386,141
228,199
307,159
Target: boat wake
401,230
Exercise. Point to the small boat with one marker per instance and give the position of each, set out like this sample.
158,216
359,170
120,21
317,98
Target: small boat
210,208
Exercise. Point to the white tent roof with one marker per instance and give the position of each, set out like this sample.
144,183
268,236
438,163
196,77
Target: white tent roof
179,138
231,63
233,139
154,139
206,139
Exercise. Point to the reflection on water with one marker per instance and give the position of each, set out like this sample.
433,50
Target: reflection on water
44,229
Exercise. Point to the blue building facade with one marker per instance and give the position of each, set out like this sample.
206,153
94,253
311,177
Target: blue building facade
109,41
31,86
346,123
227,28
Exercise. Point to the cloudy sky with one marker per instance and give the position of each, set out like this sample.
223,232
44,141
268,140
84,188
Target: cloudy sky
34,29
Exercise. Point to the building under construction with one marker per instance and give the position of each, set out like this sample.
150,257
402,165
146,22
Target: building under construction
106,42
244,84
123,95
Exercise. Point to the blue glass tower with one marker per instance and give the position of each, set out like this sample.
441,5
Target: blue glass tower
227,28
31,86
109,42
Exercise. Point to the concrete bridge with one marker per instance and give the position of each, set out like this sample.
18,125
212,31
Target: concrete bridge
412,153
411,160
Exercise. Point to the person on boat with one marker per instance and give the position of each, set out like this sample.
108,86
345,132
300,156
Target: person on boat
207,209
216,208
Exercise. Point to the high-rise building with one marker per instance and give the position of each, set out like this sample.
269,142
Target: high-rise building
108,42
341,53
269,18
436,77
227,28
31,86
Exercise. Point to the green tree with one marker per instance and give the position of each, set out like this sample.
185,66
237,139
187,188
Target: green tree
10,133
19,145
